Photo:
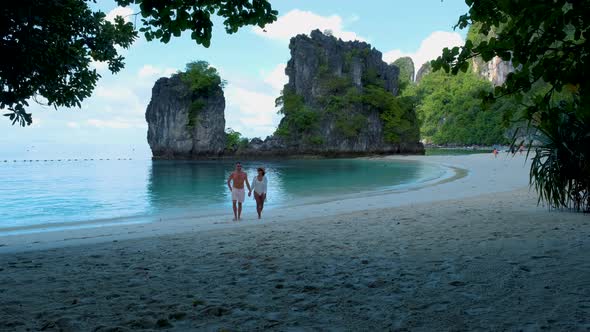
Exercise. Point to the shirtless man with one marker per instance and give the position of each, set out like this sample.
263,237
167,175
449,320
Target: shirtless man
237,191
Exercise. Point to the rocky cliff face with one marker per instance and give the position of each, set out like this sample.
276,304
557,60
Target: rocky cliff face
339,101
312,55
495,70
324,102
183,124
424,70
406,68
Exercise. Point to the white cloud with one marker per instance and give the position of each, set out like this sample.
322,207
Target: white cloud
250,112
124,12
430,48
100,66
354,18
116,123
115,93
129,99
149,71
277,77
72,124
298,21
37,121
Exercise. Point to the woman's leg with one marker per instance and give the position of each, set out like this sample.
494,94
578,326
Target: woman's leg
262,199
258,199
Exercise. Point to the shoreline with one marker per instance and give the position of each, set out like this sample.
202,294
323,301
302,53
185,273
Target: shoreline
450,173
478,172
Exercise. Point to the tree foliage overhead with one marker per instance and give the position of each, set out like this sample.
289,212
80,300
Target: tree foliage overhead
545,39
164,19
48,45
547,42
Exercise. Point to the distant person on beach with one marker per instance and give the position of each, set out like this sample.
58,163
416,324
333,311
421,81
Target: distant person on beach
259,184
238,193
521,149
495,152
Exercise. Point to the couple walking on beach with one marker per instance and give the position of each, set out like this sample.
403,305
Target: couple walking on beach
238,193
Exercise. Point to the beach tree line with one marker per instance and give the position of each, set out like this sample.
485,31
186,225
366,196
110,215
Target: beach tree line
49,46
450,111
547,44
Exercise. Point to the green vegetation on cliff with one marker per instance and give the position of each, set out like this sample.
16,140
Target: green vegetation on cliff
234,140
406,72
397,114
202,80
451,112
299,118
348,106
201,77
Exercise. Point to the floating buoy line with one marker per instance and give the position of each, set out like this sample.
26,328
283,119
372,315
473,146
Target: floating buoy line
61,160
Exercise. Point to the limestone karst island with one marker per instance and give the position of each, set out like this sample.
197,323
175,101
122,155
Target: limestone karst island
259,165
340,101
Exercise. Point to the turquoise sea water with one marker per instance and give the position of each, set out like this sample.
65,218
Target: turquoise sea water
50,192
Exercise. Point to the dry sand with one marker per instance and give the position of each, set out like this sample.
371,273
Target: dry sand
489,262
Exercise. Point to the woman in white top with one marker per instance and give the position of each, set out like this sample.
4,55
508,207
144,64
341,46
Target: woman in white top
259,184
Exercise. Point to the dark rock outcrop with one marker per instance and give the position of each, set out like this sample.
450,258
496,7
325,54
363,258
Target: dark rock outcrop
320,67
172,134
353,59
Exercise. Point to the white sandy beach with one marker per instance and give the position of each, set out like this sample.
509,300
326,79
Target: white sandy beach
470,253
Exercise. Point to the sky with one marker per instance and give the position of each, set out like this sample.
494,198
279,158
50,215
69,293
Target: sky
252,61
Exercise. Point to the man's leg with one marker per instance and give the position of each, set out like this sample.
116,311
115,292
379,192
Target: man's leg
235,210
239,210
